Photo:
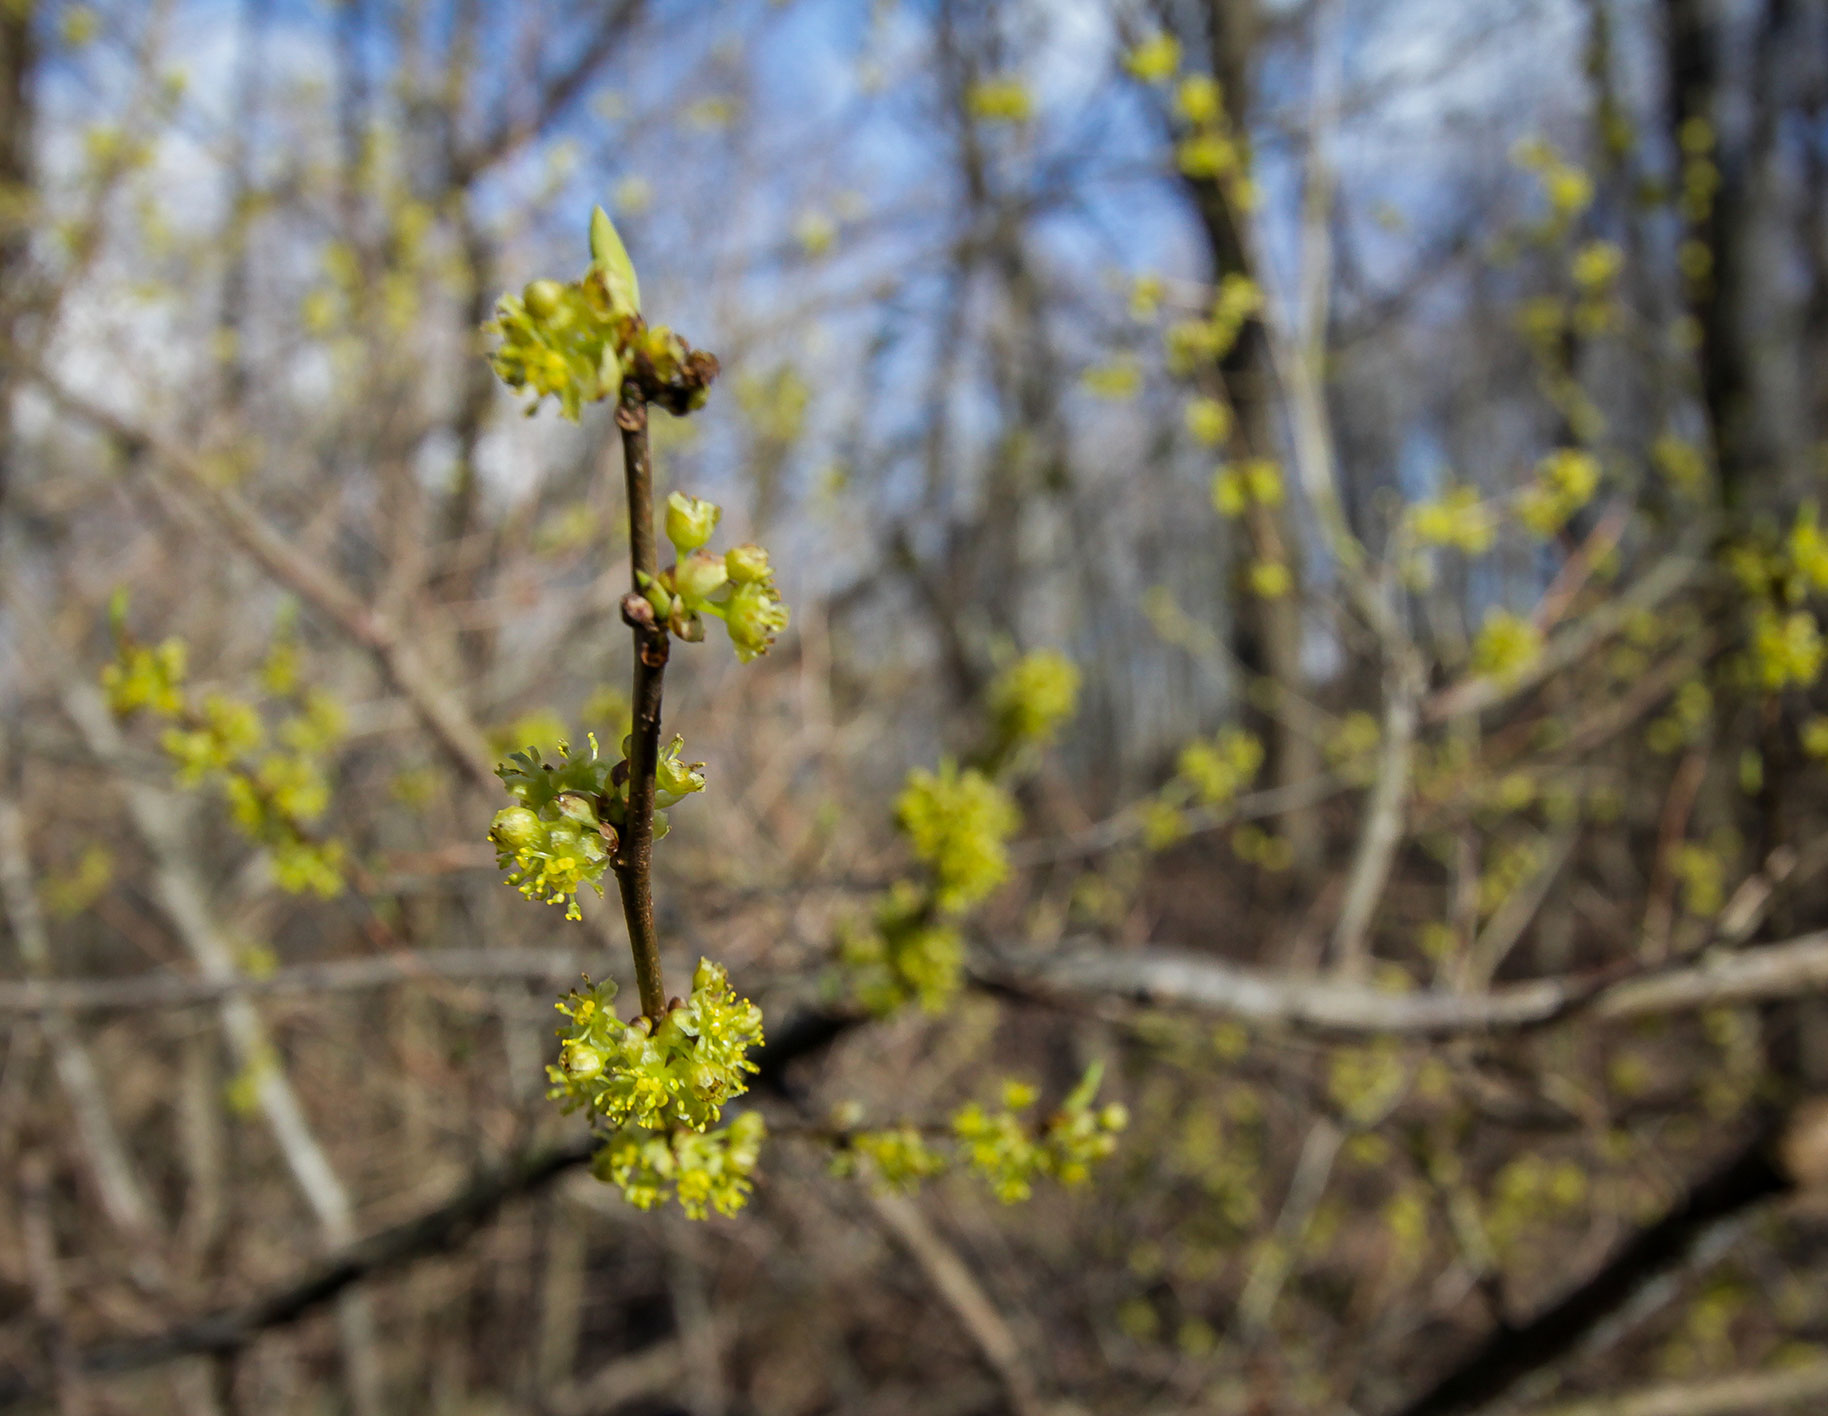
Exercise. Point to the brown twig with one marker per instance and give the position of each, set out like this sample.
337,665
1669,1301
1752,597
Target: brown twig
634,857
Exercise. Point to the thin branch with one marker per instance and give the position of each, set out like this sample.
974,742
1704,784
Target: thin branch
1717,1396
1170,978
634,859
124,1200
1277,1258
959,1289
1675,572
1384,824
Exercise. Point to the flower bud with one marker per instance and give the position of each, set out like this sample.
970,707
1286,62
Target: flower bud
515,828
582,1061
690,521
543,298
747,563
575,806
699,575
685,625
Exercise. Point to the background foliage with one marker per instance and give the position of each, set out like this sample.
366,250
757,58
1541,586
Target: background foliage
1302,526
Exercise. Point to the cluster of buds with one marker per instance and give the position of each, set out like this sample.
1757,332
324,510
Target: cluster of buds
580,341
276,791
677,1070
959,824
662,1083
736,587
704,1172
1009,1148
958,821
562,833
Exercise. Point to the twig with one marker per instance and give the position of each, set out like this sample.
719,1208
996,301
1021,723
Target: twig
1382,832
964,1295
1277,1260
1115,830
39,1242
621,1380
1509,921
634,858
1674,572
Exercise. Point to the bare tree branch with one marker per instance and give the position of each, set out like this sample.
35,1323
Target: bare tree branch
1169,978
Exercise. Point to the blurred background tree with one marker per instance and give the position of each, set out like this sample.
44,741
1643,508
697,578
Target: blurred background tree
1301,518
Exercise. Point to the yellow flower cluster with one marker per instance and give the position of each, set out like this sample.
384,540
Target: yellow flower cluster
1458,518
1217,769
1033,696
1565,482
958,823
1189,344
1236,487
1003,99
1506,647
274,795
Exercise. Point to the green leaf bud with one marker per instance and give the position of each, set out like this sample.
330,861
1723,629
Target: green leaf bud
690,521
609,254
747,564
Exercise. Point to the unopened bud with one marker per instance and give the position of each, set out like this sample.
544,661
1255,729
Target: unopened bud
582,1061
543,299
575,806
747,563
685,625
516,828
699,576
690,521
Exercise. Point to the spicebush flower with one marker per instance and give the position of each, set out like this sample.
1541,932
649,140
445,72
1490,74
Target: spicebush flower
676,1071
959,824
